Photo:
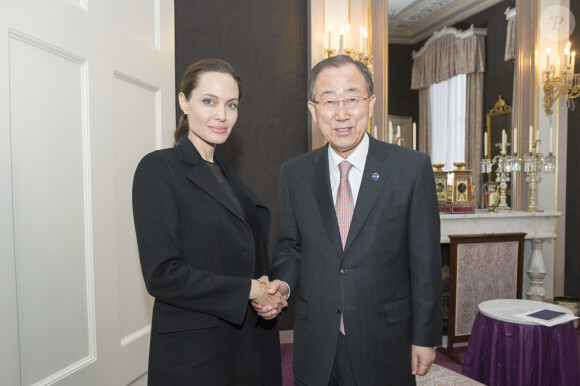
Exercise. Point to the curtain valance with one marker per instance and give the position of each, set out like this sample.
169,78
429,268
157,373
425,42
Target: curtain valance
511,38
449,53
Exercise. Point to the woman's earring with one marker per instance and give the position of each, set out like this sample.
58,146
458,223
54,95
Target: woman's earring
185,112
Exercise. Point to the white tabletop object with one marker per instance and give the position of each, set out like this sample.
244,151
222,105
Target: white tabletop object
506,309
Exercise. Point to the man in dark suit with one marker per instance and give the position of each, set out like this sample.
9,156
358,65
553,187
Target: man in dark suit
362,240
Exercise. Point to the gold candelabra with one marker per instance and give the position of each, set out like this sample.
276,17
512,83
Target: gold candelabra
505,165
565,83
356,55
534,162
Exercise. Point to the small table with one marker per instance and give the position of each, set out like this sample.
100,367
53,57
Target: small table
506,350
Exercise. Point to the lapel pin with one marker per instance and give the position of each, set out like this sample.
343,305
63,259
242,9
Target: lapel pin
375,176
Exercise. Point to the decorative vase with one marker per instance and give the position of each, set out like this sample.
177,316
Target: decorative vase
491,197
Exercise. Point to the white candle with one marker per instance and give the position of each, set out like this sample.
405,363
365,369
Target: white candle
347,44
573,60
485,144
398,133
361,44
515,141
341,39
366,43
330,36
531,140
548,60
375,131
503,136
551,132
390,132
414,136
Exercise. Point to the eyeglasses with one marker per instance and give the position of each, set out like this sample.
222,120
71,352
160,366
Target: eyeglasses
332,104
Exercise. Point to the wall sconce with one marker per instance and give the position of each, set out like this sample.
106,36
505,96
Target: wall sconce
564,83
341,39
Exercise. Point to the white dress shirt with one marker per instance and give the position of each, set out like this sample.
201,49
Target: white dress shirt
358,159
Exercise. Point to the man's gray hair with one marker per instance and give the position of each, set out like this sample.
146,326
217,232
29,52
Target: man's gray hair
338,61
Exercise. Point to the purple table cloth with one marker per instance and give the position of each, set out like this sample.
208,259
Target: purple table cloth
503,353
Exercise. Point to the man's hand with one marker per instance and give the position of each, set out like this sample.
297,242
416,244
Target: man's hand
421,359
274,301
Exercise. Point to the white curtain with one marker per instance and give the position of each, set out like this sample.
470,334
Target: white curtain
447,100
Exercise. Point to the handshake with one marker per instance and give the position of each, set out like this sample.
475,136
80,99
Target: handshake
268,298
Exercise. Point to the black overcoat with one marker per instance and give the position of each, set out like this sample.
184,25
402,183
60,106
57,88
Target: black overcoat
198,254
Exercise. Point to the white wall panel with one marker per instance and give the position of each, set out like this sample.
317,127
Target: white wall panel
52,209
137,131
136,127
139,19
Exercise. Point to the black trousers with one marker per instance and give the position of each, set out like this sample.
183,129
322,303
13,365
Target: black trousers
341,371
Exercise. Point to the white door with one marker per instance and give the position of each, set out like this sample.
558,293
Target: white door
87,90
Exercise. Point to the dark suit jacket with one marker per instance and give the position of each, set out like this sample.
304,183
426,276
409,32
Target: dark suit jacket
198,254
387,281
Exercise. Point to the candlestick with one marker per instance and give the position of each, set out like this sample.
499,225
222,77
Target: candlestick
551,131
398,132
375,131
485,144
414,136
330,36
341,39
503,137
390,132
515,141
348,37
531,140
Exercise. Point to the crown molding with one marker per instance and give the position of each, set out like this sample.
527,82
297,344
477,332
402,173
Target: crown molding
418,21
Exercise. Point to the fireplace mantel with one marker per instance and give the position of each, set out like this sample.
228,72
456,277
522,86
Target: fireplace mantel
538,226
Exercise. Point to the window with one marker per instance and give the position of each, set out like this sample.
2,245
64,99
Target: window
447,100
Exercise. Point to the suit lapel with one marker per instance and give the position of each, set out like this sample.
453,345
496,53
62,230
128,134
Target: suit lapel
202,176
322,192
370,187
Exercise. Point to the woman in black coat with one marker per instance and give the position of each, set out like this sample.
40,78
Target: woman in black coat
202,237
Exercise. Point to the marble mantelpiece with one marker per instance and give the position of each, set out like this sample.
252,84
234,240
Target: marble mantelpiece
538,226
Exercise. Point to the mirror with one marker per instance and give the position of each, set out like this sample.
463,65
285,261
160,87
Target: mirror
404,126
498,119
408,29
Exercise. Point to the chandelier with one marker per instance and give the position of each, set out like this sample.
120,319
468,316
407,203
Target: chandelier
564,83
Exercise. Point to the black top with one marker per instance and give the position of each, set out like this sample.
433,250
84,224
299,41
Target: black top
222,179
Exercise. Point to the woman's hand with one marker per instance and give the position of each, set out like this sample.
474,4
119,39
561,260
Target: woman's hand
274,301
258,289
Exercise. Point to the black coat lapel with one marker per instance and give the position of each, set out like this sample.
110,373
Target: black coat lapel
322,192
256,215
202,176
375,176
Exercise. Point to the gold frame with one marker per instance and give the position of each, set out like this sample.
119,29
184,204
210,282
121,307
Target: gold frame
500,108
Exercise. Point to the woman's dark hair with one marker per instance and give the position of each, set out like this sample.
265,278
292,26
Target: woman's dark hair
190,81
